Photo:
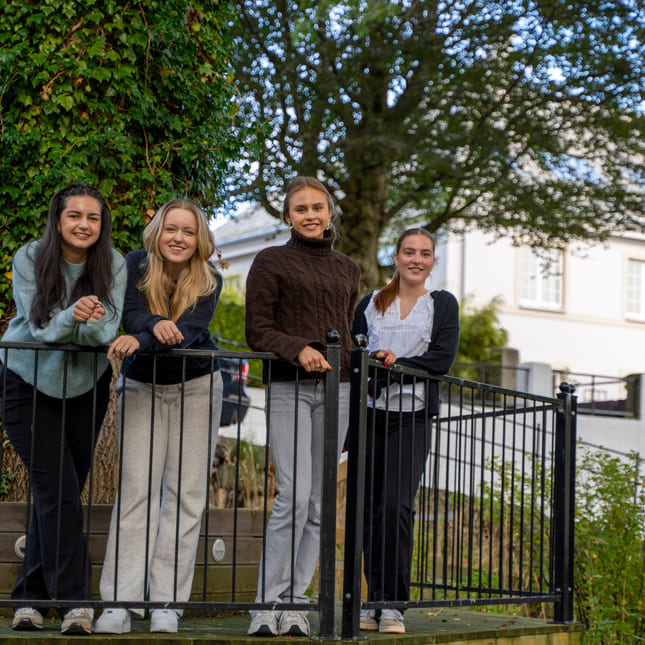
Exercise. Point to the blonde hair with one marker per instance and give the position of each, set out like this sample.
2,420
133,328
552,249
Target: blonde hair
165,296
385,297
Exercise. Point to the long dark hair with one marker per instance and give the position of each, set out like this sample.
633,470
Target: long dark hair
96,279
385,297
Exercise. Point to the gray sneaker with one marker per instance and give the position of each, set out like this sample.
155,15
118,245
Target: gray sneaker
264,622
391,622
27,619
77,621
369,621
293,623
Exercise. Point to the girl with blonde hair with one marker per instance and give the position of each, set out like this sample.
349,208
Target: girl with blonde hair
170,300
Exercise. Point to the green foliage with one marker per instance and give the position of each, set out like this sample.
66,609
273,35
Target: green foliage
229,321
610,549
5,480
609,566
136,98
480,339
520,117
480,333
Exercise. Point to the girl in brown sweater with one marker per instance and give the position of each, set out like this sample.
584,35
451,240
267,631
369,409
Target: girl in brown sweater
295,294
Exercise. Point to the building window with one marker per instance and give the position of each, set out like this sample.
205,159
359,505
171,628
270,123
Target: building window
541,279
635,306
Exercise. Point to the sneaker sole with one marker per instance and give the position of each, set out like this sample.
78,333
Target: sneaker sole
25,625
105,630
392,630
76,628
369,627
265,630
294,630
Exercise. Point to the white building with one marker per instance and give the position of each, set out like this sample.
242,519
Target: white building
585,312
240,238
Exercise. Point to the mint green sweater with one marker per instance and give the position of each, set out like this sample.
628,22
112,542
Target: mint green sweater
61,328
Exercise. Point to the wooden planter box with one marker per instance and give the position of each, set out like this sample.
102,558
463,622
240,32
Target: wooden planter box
219,574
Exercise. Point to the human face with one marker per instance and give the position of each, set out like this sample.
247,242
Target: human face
309,212
79,226
178,239
415,259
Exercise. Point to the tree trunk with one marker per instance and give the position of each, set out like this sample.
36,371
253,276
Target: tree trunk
363,220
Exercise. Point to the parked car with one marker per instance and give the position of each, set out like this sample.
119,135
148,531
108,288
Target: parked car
235,398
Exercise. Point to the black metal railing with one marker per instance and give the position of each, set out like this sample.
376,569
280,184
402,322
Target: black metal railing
493,513
494,509
599,395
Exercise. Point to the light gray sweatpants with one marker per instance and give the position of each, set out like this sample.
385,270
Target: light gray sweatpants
164,576
274,580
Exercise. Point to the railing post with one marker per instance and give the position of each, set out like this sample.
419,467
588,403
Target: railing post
564,502
327,566
356,443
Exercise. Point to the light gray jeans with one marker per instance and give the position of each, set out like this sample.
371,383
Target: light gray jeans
274,581
181,464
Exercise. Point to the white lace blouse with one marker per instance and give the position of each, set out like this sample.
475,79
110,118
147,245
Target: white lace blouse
407,337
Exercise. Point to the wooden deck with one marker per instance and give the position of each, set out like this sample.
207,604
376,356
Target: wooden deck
455,626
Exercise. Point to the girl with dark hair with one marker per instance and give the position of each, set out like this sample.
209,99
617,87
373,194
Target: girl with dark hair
409,326
295,294
170,409
68,288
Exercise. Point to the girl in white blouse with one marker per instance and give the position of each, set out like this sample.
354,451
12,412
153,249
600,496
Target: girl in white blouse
408,325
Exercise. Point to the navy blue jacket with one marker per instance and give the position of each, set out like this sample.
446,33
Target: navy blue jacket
139,322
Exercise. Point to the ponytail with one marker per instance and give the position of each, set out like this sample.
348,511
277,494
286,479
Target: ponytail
385,297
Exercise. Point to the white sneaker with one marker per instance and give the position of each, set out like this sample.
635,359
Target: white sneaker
391,622
264,622
27,619
77,621
293,623
113,621
164,620
369,621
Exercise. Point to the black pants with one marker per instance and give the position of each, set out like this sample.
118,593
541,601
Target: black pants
397,448
58,457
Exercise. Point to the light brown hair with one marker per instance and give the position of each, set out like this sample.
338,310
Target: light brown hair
385,297
300,182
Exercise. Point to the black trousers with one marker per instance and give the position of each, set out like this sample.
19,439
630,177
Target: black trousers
57,451
397,447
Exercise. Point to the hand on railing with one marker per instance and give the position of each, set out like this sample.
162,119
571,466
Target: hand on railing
312,360
386,355
123,346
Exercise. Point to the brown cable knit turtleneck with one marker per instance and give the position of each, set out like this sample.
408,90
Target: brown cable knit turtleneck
295,294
